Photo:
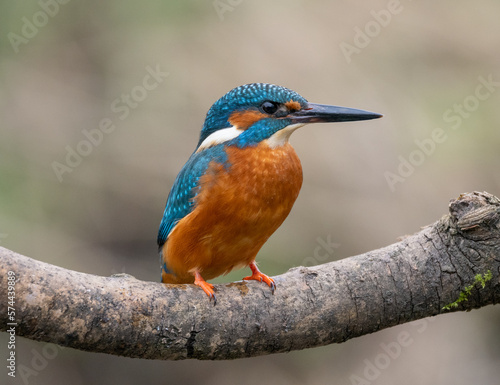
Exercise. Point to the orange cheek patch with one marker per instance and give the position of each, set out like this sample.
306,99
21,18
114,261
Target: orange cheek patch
244,119
293,106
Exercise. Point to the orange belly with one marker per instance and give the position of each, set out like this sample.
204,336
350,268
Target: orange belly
236,211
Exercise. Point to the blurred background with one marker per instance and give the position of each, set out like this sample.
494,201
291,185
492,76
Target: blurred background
90,146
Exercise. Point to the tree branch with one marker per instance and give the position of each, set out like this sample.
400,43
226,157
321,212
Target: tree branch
311,307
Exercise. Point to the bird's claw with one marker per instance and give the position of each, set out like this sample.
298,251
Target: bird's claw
208,288
261,277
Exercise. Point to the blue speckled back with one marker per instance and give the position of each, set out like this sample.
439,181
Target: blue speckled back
180,200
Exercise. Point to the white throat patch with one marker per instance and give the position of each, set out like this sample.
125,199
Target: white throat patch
276,140
281,137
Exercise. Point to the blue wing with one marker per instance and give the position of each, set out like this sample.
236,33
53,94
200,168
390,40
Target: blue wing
186,186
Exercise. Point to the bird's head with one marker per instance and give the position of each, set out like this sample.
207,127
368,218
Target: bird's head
254,112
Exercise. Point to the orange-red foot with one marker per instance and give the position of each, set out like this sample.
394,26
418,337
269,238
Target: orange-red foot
258,276
208,288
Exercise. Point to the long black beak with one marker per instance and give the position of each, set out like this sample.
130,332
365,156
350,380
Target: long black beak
322,113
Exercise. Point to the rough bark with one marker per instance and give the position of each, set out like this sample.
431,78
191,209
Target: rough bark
311,307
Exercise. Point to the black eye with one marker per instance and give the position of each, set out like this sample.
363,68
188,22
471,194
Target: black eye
269,107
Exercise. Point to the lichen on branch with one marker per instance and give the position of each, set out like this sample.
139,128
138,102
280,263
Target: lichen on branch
415,278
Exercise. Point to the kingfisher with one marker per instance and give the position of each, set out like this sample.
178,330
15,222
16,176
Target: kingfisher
239,184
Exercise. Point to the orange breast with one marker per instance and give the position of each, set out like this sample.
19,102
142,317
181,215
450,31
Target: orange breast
236,211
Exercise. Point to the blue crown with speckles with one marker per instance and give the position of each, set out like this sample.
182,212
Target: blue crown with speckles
241,98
